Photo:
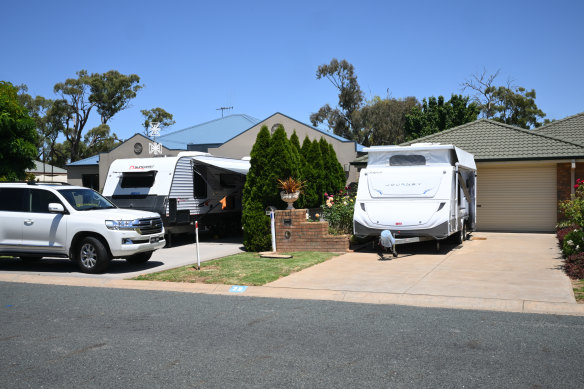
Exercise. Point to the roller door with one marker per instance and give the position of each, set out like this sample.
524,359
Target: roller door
520,198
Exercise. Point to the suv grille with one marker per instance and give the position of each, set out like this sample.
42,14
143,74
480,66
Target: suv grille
149,226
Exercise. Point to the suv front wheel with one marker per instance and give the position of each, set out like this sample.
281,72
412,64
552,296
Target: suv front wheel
92,256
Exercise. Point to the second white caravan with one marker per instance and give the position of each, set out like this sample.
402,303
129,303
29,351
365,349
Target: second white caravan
414,193
192,186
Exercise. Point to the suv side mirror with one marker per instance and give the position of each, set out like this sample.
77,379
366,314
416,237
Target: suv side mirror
56,208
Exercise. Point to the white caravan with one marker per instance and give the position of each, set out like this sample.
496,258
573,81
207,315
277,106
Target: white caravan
414,193
193,186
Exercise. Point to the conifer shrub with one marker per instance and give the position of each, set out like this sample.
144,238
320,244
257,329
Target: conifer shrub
255,223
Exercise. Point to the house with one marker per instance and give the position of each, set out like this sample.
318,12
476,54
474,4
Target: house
48,173
240,145
521,174
232,136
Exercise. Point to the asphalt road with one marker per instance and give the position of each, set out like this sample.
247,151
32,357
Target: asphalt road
183,252
65,337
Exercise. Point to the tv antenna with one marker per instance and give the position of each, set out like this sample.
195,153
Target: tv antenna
223,109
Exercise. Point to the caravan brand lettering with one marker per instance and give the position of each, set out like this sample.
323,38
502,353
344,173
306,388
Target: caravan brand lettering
408,184
141,167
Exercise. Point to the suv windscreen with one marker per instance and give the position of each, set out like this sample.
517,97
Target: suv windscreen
83,199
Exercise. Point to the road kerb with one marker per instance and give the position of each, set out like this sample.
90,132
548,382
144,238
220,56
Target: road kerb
429,301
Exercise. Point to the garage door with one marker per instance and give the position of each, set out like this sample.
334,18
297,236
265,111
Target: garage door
516,198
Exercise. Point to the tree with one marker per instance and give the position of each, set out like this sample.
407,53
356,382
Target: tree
17,131
109,93
383,120
341,120
509,104
256,225
314,171
112,91
333,178
436,115
283,162
98,140
517,107
156,115
294,141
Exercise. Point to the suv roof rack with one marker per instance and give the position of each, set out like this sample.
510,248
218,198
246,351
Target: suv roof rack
35,182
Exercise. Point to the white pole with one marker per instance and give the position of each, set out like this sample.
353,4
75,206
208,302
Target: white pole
197,238
273,223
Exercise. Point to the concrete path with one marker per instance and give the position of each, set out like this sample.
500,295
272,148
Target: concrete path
502,266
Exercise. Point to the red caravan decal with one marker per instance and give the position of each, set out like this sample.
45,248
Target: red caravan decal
140,167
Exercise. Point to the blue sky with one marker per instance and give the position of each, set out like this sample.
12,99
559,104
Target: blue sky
261,56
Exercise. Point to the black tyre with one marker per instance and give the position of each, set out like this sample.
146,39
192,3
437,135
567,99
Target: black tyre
92,256
30,258
140,258
460,236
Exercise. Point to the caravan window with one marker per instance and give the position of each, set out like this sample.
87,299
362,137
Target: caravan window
138,180
199,182
407,160
228,180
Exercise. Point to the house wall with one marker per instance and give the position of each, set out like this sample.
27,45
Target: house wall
61,177
75,173
241,145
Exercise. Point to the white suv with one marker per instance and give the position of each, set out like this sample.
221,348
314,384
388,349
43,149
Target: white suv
38,220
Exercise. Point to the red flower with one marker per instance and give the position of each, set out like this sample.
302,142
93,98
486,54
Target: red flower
576,186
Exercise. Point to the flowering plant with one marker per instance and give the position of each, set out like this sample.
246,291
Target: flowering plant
338,211
573,209
290,185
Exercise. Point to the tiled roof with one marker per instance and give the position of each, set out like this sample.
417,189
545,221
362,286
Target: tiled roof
86,162
570,129
214,132
489,140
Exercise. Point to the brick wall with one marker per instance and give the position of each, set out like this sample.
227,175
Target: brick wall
564,185
295,233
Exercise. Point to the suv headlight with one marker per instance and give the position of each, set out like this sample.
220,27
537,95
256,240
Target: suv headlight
120,224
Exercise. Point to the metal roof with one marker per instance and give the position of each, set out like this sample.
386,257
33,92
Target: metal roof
214,132
94,160
47,168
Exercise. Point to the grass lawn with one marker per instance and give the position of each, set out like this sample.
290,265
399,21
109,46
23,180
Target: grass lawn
578,290
241,269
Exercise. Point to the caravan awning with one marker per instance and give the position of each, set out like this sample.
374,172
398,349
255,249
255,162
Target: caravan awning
234,165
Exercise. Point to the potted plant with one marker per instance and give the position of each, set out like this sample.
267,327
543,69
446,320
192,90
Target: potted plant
291,189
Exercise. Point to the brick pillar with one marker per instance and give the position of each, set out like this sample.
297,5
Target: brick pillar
295,233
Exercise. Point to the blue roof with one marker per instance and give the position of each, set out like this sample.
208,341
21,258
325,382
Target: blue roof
86,162
216,131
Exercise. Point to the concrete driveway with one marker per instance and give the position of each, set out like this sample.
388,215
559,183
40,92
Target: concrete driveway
503,266
183,253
